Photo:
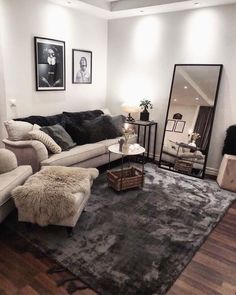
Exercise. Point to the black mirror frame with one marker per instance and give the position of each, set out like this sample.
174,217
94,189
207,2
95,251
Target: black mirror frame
214,108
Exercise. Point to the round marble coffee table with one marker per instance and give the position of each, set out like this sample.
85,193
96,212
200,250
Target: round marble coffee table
130,177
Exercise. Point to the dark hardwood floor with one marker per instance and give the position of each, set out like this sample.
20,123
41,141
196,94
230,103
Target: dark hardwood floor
212,271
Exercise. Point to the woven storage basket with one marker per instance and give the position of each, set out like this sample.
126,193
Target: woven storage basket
128,178
183,166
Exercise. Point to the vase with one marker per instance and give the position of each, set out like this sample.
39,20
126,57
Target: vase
144,115
193,143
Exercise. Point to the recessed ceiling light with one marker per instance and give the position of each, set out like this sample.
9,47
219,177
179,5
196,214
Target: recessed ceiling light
197,98
175,99
185,87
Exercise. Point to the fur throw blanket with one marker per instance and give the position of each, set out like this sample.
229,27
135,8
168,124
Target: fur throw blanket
230,141
49,194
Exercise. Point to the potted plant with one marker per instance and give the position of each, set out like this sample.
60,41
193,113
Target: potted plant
145,104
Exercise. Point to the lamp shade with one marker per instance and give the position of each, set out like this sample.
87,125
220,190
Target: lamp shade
128,108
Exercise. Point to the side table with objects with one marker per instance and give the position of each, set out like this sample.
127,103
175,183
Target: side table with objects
130,177
145,136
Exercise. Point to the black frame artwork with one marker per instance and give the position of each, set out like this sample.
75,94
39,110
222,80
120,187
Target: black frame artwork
162,163
179,124
82,66
49,64
172,125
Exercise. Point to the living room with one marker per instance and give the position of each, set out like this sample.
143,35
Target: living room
134,46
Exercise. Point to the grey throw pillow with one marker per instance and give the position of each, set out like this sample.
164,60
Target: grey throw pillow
118,122
60,136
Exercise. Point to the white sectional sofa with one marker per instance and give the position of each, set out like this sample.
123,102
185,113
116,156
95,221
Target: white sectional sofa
35,153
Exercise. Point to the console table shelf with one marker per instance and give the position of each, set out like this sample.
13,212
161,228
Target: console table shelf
146,126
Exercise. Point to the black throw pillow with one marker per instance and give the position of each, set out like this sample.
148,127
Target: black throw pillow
77,133
230,141
77,118
42,120
60,136
100,128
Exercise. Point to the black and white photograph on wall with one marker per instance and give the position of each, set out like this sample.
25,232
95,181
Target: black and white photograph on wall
179,126
170,125
81,66
49,64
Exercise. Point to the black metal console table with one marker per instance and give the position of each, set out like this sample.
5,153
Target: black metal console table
147,126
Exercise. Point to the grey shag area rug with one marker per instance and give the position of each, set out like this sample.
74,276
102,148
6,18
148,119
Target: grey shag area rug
137,241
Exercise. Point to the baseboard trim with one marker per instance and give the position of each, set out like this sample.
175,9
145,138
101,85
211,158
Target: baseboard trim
209,170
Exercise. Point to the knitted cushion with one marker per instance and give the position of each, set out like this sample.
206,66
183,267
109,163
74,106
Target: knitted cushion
46,140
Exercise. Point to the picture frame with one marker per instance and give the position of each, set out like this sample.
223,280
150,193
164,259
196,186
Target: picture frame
81,66
49,64
170,125
179,126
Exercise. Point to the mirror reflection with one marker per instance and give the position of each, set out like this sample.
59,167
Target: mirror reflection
189,118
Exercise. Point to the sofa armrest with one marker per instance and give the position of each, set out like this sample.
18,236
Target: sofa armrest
28,152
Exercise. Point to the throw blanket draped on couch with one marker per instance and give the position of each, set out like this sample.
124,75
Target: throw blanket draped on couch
49,194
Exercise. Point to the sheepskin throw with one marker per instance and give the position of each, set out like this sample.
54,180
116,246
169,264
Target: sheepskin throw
49,194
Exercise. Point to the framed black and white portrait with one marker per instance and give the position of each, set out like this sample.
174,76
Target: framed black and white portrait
49,64
81,66
179,126
170,125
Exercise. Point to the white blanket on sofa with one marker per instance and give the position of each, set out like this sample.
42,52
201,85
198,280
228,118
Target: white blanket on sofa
49,193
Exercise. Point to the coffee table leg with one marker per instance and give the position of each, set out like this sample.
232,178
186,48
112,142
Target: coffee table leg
143,170
109,165
121,180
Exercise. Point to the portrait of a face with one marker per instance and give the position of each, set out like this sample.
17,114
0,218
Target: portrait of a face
82,67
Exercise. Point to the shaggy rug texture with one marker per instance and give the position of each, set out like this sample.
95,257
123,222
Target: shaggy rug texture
53,187
137,241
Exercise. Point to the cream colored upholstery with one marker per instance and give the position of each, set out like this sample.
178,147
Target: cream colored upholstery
227,173
81,200
77,154
28,152
35,153
8,161
9,180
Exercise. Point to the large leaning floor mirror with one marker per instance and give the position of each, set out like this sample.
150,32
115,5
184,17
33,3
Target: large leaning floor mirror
189,118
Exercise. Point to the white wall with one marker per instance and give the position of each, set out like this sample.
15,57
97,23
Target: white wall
25,19
189,117
2,84
142,52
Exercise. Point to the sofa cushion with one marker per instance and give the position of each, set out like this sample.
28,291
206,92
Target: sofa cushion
77,133
60,136
50,144
18,130
75,155
9,180
118,121
8,161
42,120
100,128
78,117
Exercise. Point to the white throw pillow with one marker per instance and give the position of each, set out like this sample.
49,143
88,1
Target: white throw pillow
18,130
46,140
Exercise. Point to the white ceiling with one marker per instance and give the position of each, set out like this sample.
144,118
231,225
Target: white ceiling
195,85
110,9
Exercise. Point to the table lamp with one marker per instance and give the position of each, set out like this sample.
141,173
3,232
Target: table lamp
127,108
